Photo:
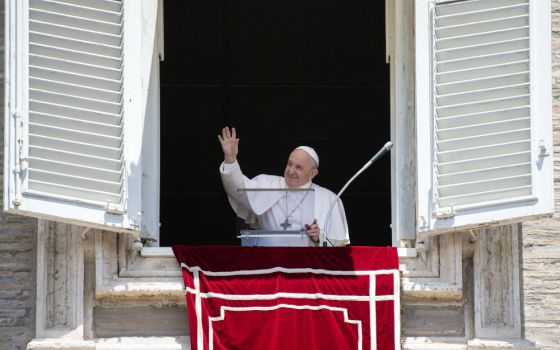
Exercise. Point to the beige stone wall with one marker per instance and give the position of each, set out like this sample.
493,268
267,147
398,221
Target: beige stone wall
17,255
541,239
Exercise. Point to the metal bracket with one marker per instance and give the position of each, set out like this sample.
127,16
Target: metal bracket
20,165
543,149
84,231
445,212
422,222
473,236
113,208
422,248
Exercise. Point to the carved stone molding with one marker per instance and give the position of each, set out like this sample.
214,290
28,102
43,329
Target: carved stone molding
496,284
60,280
437,273
125,277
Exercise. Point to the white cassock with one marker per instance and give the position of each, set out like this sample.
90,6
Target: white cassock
267,210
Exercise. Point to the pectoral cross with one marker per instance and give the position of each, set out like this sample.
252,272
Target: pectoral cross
286,224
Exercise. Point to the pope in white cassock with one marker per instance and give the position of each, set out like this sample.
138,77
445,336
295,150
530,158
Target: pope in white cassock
275,210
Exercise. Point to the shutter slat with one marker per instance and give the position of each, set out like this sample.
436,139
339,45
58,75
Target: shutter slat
499,58
484,38
74,135
75,102
73,78
76,147
473,6
76,56
74,158
484,83
75,22
76,170
70,9
482,50
488,196
486,72
107,5
451,144
73,192
484,128
485,185
70,112
482,27
485,106
481,163
484,13
75,124
480,95
75,33
70,67
71,44
484,174
75,181
75,90
483,117
484,151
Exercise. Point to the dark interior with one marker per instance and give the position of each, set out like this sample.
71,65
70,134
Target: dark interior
284,73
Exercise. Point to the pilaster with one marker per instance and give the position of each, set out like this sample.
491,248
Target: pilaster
60,287
497,296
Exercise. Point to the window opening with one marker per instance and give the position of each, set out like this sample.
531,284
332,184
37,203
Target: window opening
284,74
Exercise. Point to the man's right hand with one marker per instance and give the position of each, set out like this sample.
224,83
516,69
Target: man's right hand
230,144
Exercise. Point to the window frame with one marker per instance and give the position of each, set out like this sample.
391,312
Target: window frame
411,186
17,200
400,52
500,212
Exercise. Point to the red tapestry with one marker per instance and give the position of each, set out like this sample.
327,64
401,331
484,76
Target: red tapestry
291,297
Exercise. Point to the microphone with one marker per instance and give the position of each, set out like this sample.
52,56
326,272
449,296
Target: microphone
324,235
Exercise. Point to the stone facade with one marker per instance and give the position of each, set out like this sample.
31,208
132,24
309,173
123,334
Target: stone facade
18,235
459,304
541,239
17,281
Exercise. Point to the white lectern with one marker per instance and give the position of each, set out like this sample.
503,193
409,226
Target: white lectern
296,207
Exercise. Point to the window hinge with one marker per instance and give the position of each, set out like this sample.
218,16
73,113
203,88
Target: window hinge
543,149
445,212
422,223
20,164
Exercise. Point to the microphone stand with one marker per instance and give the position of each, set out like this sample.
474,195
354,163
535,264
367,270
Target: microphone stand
323,238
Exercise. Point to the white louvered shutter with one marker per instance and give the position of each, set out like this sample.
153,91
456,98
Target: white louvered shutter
483,112
74,115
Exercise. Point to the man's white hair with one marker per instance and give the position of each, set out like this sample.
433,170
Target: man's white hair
311,153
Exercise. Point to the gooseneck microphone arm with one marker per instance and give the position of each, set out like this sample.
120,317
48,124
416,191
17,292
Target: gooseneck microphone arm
324,235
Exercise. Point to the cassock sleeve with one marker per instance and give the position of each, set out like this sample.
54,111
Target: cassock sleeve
232,179
248,205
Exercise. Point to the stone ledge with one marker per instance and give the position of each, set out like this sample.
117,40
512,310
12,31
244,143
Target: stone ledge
487,344
167,252
421,343
173,289
425,344
55,344
418,289
145,292
121,343
144,343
